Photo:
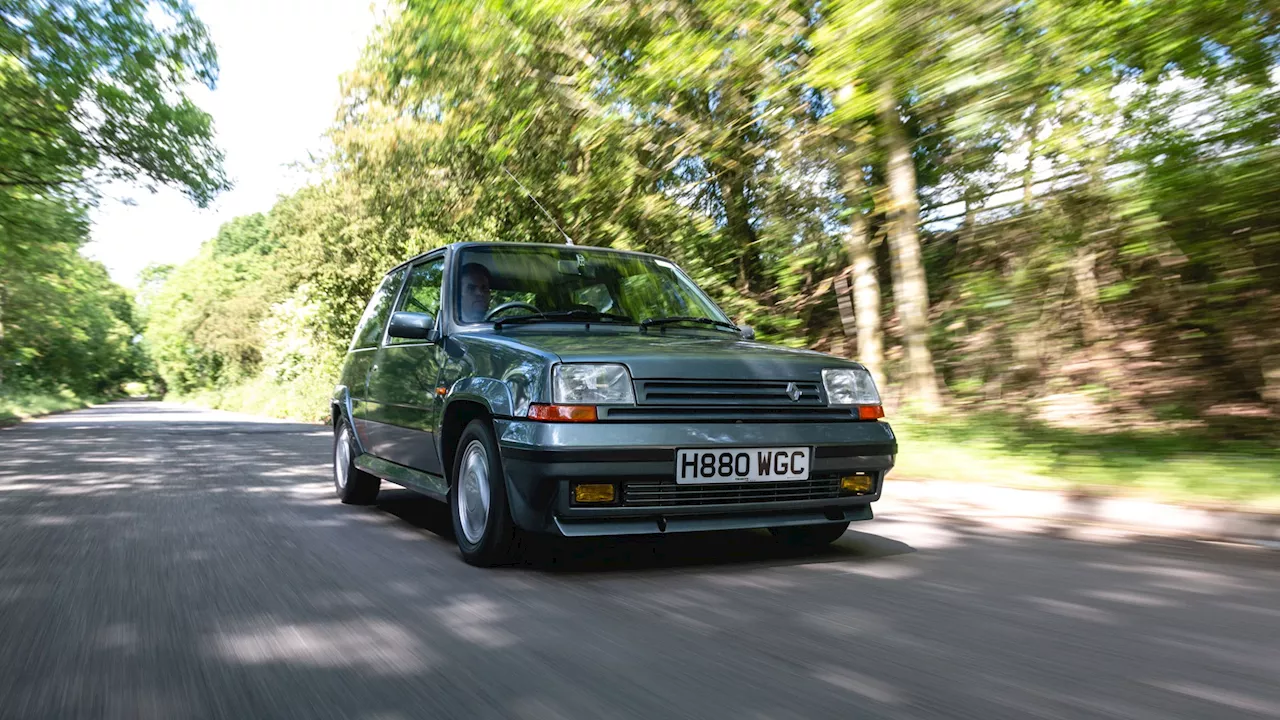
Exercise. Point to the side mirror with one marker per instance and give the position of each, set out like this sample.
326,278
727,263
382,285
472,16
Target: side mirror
411,326
748,332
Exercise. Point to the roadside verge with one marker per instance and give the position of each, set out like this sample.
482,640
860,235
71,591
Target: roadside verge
992,503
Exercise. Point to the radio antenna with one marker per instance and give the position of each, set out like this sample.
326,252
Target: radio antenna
568,240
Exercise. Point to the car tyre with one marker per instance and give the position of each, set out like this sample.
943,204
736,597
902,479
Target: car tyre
353,485
478,499
810,536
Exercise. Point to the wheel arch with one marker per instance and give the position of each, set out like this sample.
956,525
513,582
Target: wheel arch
458,413
340,409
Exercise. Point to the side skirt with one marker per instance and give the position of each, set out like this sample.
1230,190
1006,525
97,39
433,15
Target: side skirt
416,480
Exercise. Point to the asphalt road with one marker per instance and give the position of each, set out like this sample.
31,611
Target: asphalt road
162,562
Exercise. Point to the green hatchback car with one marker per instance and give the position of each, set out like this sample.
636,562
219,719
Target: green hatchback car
592,392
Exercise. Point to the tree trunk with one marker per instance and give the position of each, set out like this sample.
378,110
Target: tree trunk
866,298
1082,269
910,285
845,306
1028,171
1270,367
967,240
738,226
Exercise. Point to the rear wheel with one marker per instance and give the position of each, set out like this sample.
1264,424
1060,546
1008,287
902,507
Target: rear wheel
478,499
810,536
353,485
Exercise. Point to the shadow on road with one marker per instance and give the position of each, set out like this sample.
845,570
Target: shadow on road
743,549
417,510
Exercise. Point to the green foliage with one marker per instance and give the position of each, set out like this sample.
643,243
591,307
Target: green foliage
89,92
304,398
1098,212
93,87
19,404
67,325
658,128
204,320
245,234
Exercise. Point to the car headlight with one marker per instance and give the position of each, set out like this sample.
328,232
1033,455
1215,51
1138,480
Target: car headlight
850,386
592,385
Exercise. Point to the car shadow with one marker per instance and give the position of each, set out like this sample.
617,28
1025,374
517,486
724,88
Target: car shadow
738,548
416,509
546,553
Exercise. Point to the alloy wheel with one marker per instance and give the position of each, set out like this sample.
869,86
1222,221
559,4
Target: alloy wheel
473,492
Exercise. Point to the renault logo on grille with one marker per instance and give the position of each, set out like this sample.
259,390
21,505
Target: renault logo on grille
793,392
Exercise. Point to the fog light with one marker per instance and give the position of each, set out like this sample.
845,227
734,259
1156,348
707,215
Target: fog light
593,493
859,484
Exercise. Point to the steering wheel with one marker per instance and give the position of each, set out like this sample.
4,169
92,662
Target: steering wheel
507,306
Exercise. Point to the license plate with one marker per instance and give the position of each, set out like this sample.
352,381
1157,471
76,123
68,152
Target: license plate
727,465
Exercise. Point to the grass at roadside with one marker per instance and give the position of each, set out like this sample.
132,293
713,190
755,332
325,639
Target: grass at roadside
1185,467
16,405
305,399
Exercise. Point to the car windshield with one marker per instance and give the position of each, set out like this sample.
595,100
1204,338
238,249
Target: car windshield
574,283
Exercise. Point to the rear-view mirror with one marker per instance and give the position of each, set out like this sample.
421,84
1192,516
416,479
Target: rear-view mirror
411,326
747,332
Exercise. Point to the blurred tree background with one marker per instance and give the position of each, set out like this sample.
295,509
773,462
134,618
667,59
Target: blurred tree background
1057,207
90,93
1060,212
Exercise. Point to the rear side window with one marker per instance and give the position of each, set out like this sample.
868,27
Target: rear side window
369,331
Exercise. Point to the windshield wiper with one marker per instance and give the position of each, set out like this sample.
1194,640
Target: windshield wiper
588,316
671,320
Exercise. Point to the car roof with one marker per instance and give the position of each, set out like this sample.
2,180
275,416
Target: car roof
470,244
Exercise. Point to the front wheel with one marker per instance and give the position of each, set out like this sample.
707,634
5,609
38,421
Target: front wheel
478,499
810,536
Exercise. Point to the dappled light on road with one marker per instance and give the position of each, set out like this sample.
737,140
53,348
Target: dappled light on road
859,684
378,647
1127,598
1226,699
1073,610
220,572
476,619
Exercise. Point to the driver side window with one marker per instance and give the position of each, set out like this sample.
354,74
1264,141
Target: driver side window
422,292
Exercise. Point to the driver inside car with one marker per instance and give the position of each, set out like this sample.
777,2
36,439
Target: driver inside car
475,292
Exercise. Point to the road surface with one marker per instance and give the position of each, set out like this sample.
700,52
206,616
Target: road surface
163,562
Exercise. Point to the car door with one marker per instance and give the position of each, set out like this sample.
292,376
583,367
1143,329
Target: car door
404,406
364,349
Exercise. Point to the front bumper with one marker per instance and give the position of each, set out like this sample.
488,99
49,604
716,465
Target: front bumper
543,460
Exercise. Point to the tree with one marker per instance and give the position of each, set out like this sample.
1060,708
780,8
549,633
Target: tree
1023,175
871,57
96,90
90,92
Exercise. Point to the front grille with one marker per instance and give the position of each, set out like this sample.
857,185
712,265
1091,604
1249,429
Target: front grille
729,414
658,494
703,393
